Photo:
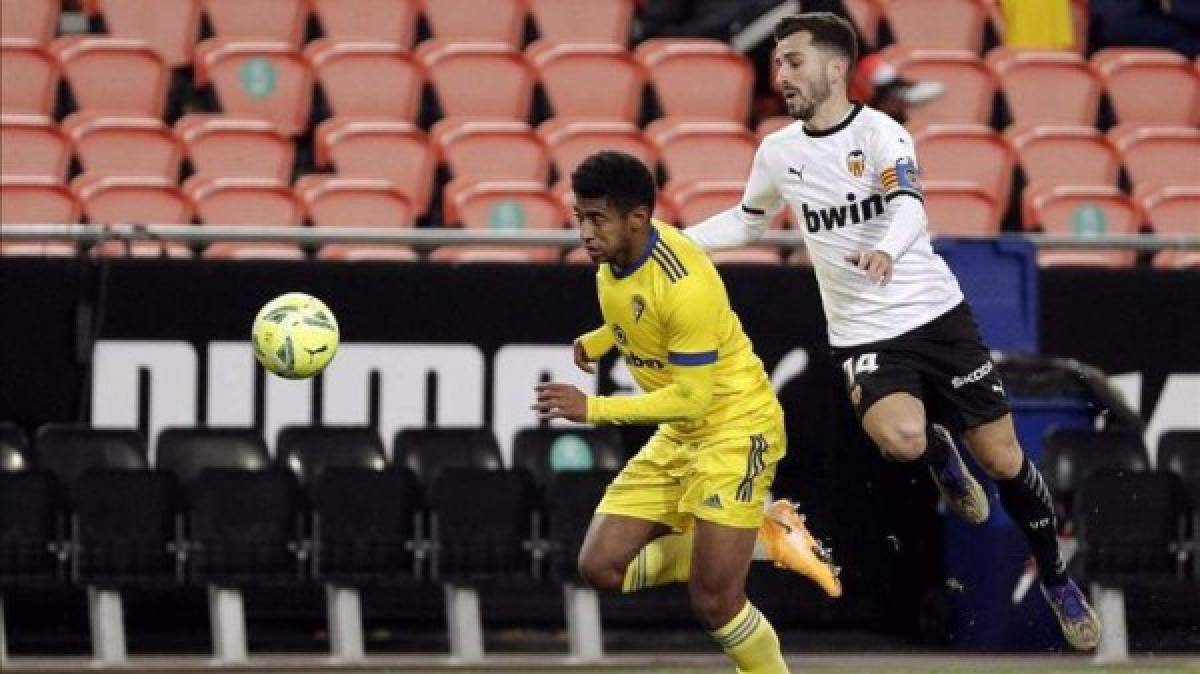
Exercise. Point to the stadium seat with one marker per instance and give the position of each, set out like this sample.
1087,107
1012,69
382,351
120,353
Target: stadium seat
510,205
676,65
940,24
1173,211
187,452
482,149
570,141
113,75
697,200
236,147
30,542
350,252
1179,453
771,125
35,20
170,29
970,152
426,451
269,80
471,542
593,21
334,201
139,200
32,200
546,451
744,256
67,450
127,146
1071,455
457,69
365,525
462,20
1047,87
258,20
571,500
866,15
961,208
569,73
33,145
1157,154
1065,155
1082,211
1150,86
393,150
123,527
251,202
1126,524
970,85
28,78
243,525
309,450
392,21
700,150
368,79
14,448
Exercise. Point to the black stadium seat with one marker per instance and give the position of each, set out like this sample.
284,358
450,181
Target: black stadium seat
124,527
571,499
14,448
66,450
481,520
1070,455
426,451
547,451
30,529
308,450
1127,523
188,451
365,524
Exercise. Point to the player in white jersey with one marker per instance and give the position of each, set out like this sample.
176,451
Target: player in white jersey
898,324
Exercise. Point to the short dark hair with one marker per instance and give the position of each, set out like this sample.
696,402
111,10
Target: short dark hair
619,177
828,30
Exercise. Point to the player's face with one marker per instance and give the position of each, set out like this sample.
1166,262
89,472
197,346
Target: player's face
607,234
803,74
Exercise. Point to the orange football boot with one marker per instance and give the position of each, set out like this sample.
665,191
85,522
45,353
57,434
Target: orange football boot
789,544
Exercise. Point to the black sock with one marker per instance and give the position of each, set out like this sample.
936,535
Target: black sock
937,451
1027,501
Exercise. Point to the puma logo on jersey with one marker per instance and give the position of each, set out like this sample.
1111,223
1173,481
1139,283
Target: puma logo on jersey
829,218
799,174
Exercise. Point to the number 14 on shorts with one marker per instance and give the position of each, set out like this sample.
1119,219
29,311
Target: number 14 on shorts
864,363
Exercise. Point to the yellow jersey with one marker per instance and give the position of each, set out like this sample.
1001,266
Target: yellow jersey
669,317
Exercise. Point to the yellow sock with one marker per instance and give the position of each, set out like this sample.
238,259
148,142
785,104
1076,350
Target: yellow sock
666,559
752,643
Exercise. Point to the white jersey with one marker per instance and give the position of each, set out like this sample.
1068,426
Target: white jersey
853,188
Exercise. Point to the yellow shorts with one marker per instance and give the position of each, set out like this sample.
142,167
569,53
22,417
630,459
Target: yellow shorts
723,480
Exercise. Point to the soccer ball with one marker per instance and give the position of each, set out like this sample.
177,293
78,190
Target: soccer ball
295,335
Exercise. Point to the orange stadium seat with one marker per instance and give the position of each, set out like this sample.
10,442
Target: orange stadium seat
702,150
28,78
369,79
698,200
258,20
396,151
570,141
362,252
33,145
1084,212
130,146
770,125
1047,87
1159,154
1065,155
170,29
505,205
456,71
970,85
970,152
752,255
466,21
961,208
37,201
675,66
138,200
113,75
940,24
392,21
570,73
491,149
269,80
591,21
246,201
336,201
236,147
1173,210
1150,86
35,20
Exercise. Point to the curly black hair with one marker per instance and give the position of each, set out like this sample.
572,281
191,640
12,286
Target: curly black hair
620,178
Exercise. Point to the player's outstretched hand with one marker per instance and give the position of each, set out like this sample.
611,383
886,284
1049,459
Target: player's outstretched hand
581,359
876,263
560,401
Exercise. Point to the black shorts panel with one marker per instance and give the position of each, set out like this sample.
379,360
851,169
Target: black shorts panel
944,363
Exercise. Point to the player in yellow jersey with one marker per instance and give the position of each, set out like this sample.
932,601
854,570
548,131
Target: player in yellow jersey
689,505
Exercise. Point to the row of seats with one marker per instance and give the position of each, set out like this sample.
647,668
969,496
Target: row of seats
275,81
175,25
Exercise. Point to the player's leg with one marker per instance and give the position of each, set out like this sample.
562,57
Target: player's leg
717,588
1027,500
614,542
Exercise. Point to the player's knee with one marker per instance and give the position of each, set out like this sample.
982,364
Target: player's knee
905,441
714,607
600,573
1001,461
